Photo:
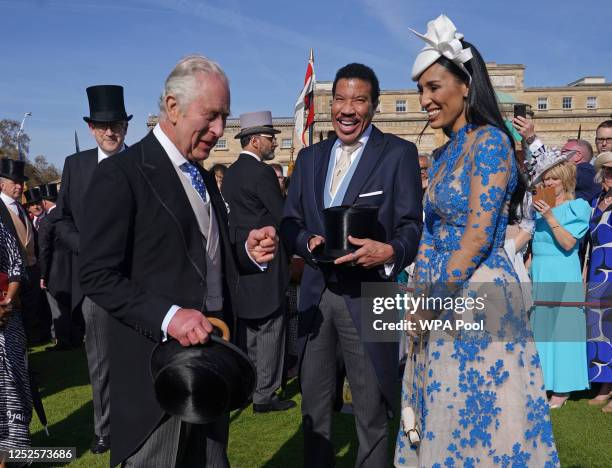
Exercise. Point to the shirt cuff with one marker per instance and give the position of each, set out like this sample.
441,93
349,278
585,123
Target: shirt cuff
262,266
166,321
389,268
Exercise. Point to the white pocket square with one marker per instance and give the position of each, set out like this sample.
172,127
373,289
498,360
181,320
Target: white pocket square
370,194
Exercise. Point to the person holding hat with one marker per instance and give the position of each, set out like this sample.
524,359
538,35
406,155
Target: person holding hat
251,190
360,166
156,254
599,286
469,398
16,219
108,124
55,273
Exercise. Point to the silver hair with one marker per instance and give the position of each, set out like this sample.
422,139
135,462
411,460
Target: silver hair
182,80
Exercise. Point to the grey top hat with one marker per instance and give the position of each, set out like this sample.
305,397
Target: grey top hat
256,122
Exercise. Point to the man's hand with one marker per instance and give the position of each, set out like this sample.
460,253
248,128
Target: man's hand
314,242
189,327
262,244
524,126
370,254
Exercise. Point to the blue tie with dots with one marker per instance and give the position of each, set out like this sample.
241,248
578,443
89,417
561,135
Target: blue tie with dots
196,178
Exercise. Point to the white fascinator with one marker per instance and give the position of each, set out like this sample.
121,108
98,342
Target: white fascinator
441,38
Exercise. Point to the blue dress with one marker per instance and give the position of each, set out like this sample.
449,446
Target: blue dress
599,319
560,332
479,397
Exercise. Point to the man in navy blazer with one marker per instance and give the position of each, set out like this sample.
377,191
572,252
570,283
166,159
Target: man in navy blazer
362,166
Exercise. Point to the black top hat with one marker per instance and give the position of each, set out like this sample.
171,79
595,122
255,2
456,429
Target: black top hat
106,104
48,192
12,169
198,384
32,195
340,222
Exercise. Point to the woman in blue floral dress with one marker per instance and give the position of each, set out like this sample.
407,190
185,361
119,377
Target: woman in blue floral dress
479,397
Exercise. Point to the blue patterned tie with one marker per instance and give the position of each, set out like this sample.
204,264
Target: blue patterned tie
196,178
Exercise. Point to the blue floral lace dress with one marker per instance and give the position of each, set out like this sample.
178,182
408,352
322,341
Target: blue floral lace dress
479,396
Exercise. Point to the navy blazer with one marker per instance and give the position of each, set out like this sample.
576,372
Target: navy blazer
388,165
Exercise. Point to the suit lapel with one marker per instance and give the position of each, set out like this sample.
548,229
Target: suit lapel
370,158
163,180
321,155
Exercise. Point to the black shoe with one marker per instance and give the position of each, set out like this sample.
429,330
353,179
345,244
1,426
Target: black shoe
100,444
275,405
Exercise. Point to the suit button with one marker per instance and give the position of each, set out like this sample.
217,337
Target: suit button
201,283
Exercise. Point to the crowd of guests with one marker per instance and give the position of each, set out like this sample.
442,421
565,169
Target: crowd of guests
145,246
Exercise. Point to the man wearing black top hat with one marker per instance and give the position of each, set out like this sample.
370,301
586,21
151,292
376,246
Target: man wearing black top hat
16,219
251,190
361,167
34,205
157,256
55,261
108,123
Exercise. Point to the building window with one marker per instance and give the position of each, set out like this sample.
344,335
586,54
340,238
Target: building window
400,105
567,102
378,108
286,143
423,109
542,103
592,102
221,144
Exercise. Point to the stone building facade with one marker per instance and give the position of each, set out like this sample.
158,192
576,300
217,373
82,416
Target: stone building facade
559,112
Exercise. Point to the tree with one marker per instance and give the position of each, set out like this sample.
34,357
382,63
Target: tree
38,172
8,139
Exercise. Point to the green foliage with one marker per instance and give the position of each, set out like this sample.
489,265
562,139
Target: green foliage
40,171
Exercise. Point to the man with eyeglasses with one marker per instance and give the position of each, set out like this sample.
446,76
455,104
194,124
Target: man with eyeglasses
603,136
252,191
580,152
108,123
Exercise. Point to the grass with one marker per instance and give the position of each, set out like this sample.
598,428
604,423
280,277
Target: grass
583,433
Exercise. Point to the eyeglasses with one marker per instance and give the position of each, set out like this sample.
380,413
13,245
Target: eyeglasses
607,141
115,127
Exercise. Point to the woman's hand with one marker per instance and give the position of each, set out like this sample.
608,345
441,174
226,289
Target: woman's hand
544,209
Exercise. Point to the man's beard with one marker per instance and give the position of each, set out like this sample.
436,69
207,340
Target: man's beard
267,156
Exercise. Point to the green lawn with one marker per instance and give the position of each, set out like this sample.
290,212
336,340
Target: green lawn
583,433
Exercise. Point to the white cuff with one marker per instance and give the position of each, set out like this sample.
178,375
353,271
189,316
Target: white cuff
262,266
166,321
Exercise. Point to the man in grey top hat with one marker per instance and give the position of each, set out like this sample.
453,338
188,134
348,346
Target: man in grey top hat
251,190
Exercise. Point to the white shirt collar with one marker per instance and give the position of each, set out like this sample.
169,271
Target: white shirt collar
251,154
170,148
8,201
365,136
102,155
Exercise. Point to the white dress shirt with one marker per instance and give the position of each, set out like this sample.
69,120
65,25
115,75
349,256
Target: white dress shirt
102,155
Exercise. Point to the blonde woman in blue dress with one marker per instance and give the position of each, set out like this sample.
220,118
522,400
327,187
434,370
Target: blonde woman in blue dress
479,398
